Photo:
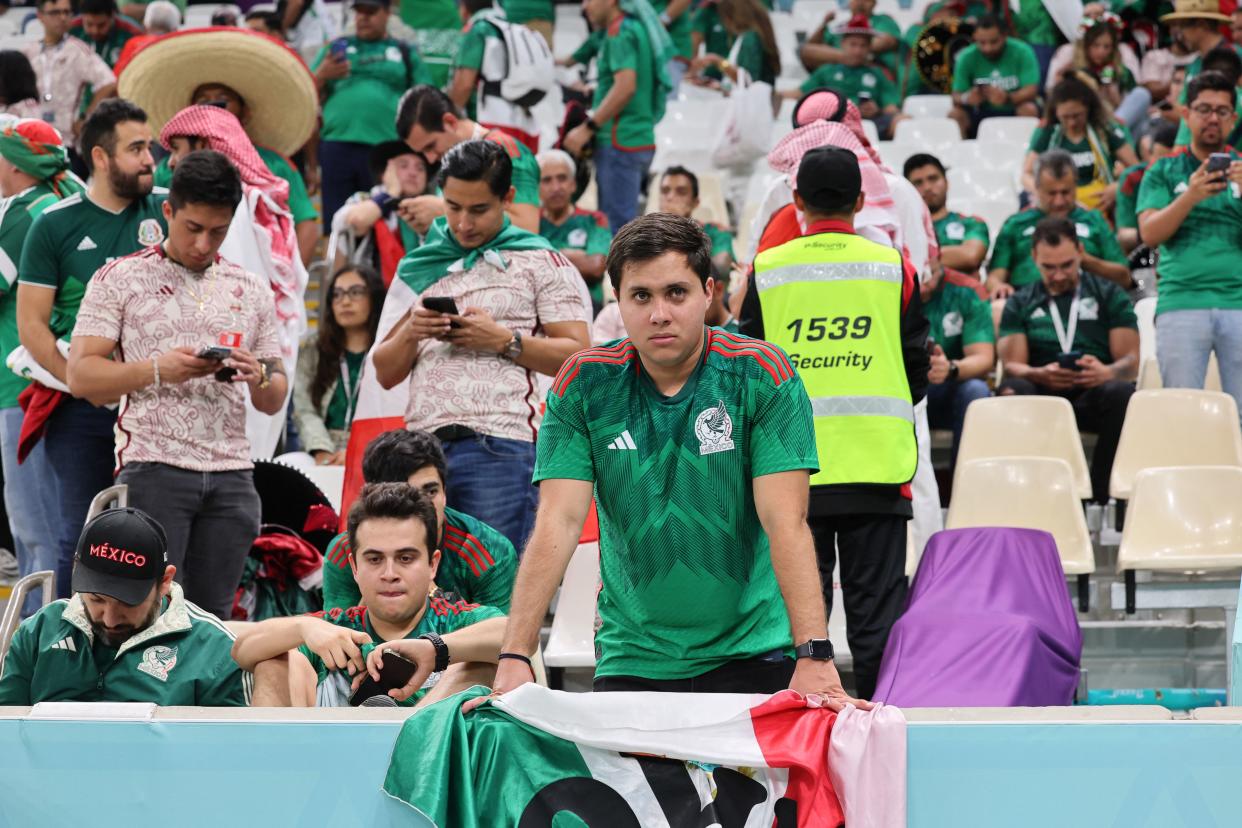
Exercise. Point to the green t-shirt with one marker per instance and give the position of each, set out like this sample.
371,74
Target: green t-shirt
585,231
362,107
519,11
678,30
184,658
476,562
1201,264
300,205
722,239
1016,68
687,576
1111,140
858,83
1103,307
590,47
705,20
75,237
885,25
437,30
752,58
626,47
958,318
1126,212
1013,243
1036,25
525,167
956,228
109,49
337,415
470,53
16,215
445,613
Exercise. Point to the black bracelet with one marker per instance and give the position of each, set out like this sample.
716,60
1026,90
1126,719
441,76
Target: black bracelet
442,651
516,657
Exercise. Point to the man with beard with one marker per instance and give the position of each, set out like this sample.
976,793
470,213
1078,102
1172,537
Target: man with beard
127,634
118,214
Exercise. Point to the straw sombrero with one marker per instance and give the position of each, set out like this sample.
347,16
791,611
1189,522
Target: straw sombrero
278,88
1195,10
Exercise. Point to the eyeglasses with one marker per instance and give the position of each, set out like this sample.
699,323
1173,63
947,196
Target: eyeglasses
1205,111
355,292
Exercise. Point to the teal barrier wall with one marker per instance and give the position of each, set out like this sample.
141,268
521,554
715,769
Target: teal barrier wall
131,774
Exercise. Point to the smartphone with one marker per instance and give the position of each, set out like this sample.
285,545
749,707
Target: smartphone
1219,162
983,82
442,304
395,671
339,47
215,352
1069,360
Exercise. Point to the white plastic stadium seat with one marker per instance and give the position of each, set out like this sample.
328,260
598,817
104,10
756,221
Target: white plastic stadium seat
969,185
895,153
928,106
931,134
571,642
1184,518
197,16
994,212
1013,129
1149,374
1145,310
869,129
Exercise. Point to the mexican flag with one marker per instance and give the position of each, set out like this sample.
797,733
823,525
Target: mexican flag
539,757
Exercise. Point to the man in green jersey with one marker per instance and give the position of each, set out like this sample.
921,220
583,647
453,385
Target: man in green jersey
473,89
429,121
1011,265
679,195
127,634
824,45
1160,141
996,75
477,563
963,239
118,215
536,15
454,643
581,235
697,445
859,79
1193,213
104,29
34,174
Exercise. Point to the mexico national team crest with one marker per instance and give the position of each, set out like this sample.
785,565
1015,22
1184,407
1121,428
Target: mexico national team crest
158,661
714,429
150,233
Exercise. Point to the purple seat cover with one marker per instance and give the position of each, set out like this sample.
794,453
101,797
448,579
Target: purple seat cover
988,623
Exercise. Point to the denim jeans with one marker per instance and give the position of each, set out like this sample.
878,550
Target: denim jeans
946,406
489,478
619,176
346,170
1185,339
31,499
211,520
80,446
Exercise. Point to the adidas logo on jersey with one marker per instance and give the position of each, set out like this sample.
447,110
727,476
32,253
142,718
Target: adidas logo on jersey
623,443
66,643
87,244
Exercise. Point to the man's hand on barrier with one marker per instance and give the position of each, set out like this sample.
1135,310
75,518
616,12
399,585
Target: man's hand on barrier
337,646
510,675
820,679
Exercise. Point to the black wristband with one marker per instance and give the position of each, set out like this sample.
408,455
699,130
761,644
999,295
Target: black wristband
591,125
442,652
386,203
517,657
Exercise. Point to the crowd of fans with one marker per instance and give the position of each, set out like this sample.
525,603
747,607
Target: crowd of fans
462,272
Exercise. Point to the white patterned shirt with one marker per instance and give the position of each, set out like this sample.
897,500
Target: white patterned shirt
65,71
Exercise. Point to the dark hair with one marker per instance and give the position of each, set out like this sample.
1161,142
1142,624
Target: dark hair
1164,133
748,16
425,106
97,7
1053,231
205,177
395,455
1072,88
100,127
988,21
271,20
17,78
651,236
474,6
1208,82
392,501
677,169
1225,60
922,159
330,343
479,160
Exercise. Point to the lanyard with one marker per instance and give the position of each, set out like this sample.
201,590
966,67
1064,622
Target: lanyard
351,392
1067,341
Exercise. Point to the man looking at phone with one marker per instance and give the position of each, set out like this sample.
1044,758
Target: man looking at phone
394,560
1190,205
1072,335
182,336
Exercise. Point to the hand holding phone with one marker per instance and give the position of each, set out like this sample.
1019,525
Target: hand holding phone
396,671
1069,360
1219,162
216,353
442,304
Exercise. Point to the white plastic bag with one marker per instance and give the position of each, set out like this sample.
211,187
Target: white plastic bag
748,124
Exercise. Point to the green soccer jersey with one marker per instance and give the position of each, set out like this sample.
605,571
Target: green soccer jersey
75,237
955,228
476,562
722,239
1200,266
583,230
1036,24
626,46
109,49
1102,307
520,11
705,21
958,317
687,576
300,206
1111,141
590,47
678,30
858,83
1126,212
16,215
525,167
1016,68
362,107
443,614
882,24
1013,243
184,658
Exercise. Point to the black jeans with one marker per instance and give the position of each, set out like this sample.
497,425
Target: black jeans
752,675
1100,410
873,582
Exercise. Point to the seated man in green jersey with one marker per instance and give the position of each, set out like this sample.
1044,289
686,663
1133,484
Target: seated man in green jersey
996,75
679,195
127,634
478,563
454,643
581,235
697,446
963,239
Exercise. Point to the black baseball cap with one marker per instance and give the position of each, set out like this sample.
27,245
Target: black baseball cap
829,176
381,154
121,553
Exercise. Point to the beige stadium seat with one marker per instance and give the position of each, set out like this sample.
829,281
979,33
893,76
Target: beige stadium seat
571,643
1182,519
1021,426
1175,427
927,106
1026,493
1011,129
1145,310
1149,375
931,134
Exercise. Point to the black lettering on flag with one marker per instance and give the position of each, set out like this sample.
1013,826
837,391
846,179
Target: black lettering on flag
590,800
736,795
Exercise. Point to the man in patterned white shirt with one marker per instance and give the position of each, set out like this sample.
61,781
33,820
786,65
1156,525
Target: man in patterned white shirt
176,331
66,69
472,374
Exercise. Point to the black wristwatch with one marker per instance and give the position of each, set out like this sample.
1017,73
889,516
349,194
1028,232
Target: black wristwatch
954,369
591,125
817,649
442,653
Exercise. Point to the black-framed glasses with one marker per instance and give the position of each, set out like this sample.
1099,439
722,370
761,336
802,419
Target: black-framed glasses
1205,111
356,292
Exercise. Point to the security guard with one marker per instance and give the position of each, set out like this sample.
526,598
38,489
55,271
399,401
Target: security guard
847,310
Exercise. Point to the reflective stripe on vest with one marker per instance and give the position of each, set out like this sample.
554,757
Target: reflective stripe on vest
832,301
